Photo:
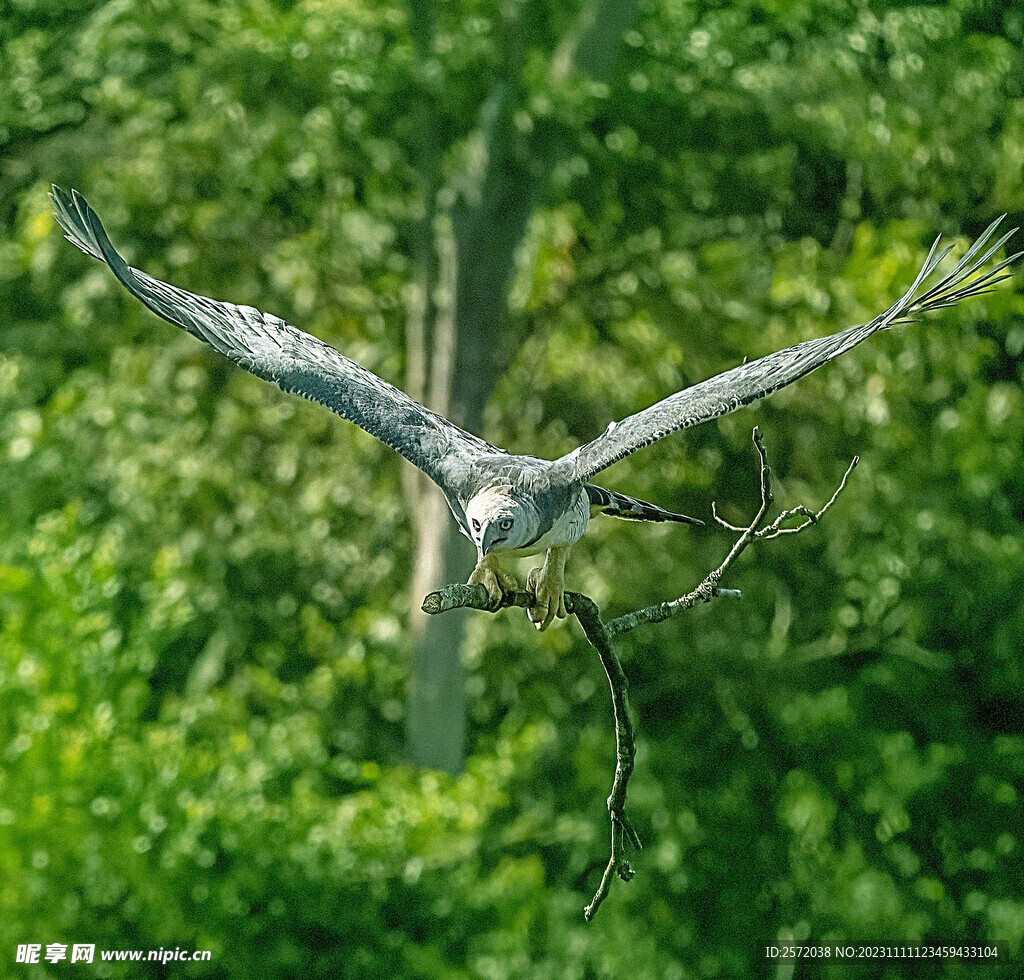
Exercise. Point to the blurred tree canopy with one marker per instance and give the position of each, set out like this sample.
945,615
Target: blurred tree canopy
204,583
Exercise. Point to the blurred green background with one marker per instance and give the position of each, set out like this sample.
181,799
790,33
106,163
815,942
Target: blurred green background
205,641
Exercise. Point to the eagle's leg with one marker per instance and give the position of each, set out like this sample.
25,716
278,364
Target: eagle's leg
548,586
495,579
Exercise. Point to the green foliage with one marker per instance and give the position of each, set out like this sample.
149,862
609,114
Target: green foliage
202,582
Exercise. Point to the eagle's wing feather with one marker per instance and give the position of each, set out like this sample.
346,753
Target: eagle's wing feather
753,380
293,360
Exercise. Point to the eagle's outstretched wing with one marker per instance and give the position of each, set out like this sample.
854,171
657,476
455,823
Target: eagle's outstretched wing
294,361
746,383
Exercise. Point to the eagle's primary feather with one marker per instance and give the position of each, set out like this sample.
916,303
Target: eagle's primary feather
750,381
293,360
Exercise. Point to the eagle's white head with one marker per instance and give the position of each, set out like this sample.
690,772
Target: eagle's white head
501,520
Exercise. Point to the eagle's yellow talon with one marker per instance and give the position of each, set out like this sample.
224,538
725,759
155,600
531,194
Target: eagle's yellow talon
548,587
493,578
506,580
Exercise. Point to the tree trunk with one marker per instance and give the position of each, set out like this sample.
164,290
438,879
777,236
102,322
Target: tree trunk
457,333
436,708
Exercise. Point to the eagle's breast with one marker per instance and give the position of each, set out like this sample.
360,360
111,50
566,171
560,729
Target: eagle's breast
568,525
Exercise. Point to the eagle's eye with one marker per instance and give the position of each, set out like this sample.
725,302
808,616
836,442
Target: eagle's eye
476,525
505,524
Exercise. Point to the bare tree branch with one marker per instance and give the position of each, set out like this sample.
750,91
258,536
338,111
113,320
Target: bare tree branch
600,634
586,613
774,529
709,589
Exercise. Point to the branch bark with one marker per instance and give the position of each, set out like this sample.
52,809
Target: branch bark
600,635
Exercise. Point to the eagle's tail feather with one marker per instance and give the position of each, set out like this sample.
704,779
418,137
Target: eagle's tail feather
612,504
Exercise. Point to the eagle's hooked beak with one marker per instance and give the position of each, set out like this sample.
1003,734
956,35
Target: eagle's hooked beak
492,536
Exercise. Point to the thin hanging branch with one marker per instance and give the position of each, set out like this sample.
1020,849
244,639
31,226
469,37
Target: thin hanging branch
600,634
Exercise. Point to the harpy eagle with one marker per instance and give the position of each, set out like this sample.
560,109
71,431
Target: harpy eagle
508,505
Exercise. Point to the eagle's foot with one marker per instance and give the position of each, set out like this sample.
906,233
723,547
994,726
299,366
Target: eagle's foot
548,587
493,578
